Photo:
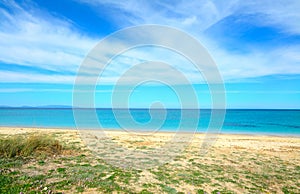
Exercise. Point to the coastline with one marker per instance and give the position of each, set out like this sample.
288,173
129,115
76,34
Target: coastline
28,129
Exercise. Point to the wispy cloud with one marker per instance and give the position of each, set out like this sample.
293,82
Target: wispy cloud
201,14
197,16
282,13
30,37
23,77
33,38
257,62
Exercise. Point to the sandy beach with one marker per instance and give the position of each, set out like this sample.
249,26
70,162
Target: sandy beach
234,164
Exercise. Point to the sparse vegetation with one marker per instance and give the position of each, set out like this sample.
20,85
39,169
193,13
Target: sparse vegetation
51,163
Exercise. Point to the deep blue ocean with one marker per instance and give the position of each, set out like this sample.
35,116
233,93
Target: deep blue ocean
248,121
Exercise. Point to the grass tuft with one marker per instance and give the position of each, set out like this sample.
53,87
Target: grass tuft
25,146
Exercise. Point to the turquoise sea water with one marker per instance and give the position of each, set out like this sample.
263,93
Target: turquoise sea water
274,122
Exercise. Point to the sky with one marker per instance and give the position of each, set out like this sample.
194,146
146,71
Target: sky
255,45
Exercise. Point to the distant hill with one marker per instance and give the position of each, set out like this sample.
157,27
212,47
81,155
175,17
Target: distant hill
44,106
54,106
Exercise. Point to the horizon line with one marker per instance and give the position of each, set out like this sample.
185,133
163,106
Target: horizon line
135,108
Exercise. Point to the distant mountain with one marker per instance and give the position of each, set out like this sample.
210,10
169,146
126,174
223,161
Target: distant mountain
44,106
3,106
54,106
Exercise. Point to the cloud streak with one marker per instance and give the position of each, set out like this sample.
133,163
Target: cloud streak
29,37
197,16
32,38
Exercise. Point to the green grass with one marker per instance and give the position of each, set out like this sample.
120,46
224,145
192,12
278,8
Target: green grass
168,189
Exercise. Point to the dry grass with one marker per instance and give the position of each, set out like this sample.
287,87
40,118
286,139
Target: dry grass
32,145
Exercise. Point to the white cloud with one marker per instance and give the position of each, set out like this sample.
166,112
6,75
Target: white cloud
31,38
155,54
22,77
196,16
190,15
283,14
235,66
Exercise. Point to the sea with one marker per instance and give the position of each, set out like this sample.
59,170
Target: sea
236,121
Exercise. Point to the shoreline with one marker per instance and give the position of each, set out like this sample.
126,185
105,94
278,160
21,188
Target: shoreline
157,132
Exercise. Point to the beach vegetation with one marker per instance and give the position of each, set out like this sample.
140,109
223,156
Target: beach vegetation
48,166
26,146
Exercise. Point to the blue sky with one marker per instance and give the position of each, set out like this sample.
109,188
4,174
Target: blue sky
256,45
